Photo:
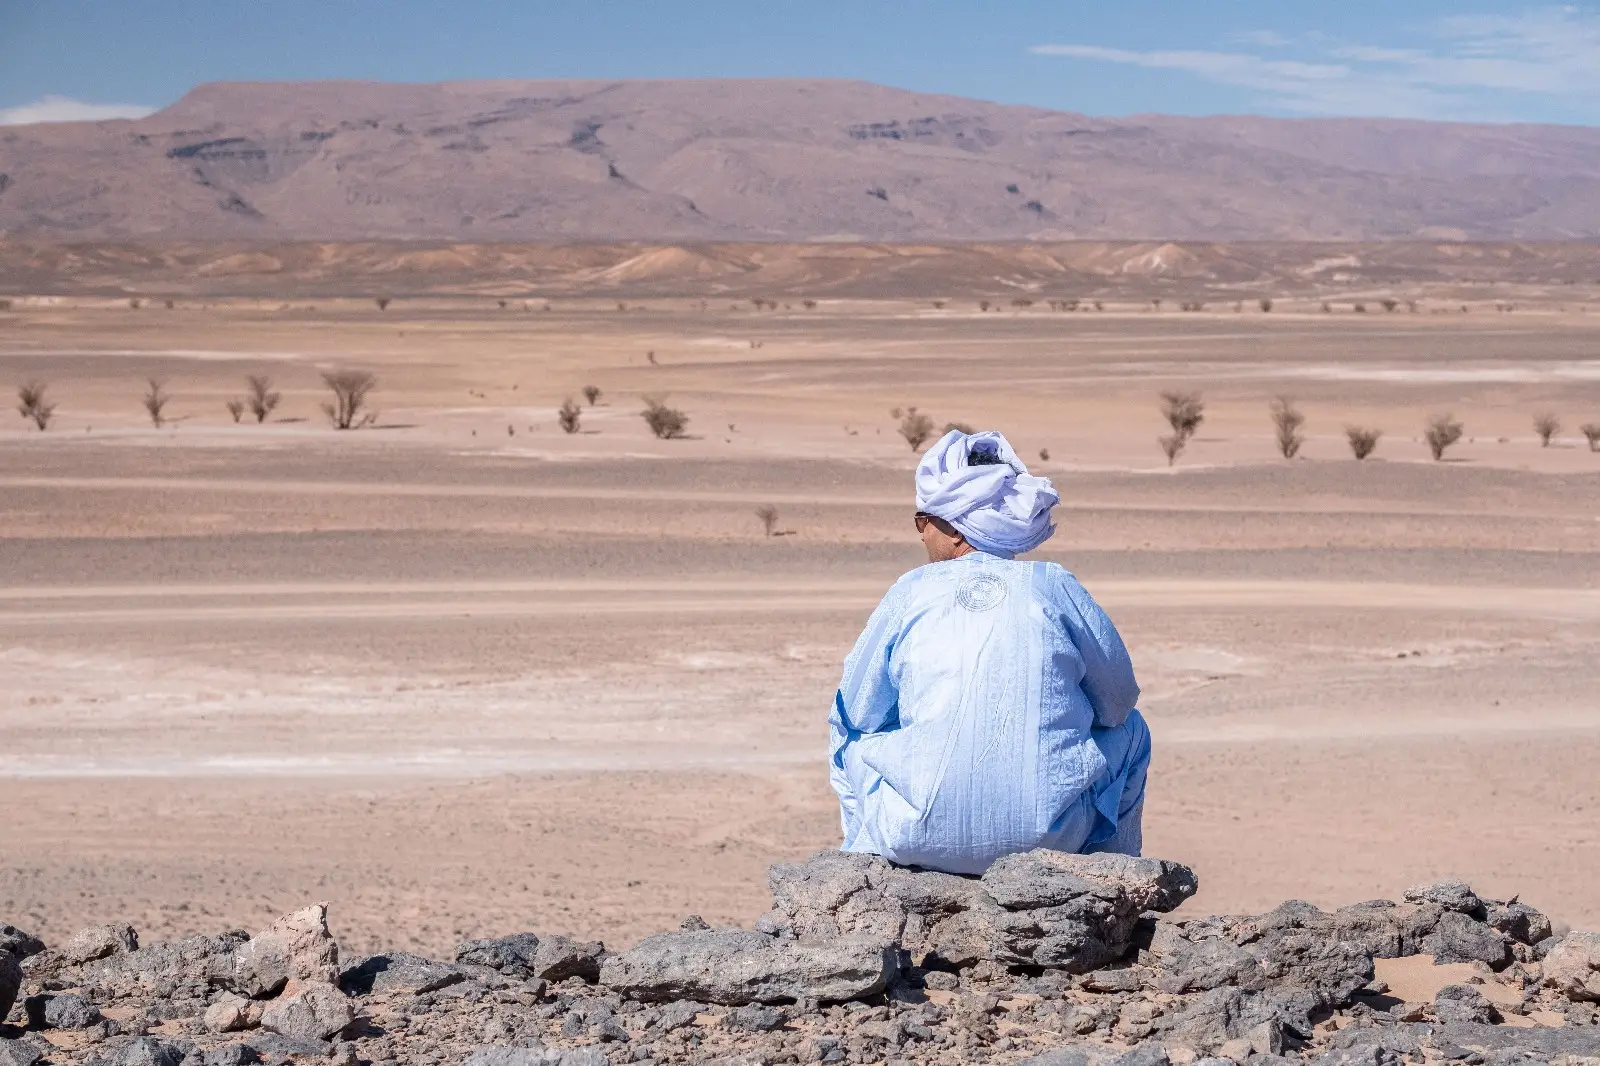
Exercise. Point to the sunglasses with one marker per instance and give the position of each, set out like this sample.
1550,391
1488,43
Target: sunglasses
921,520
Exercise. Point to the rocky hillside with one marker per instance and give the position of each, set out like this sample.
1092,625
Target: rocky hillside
770,159
1048,959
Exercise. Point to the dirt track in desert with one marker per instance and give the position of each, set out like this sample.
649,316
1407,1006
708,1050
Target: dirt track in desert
461,673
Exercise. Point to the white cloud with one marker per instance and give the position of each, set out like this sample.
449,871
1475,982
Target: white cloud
66,109
1468,66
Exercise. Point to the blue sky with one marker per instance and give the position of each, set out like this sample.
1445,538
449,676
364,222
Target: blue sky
1419,58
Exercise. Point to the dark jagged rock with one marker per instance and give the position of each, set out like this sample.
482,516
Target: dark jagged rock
539,1056
1039,908
20,1053
399,971
1463,1003
188,969
10,982
97,942
61,1012
734,967
526,956
19,943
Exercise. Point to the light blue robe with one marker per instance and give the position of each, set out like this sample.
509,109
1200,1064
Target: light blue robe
988,708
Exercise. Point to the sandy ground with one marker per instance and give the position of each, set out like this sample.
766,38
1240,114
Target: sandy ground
461,673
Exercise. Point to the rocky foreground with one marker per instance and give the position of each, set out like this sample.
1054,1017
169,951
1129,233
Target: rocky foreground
1048,959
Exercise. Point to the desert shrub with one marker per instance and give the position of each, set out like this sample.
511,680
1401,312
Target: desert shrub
1286,421
809,305
155,401
1590,431
983,305
351,389
568,415
382,302
1442,431
1390,305
769,518
1172,446
262,399
134,303
1099,305
1547,425
1363,442
236,408
1327,308
938,305
1266,304
667,423
1044,455
5,305
1359,309
1191,305
1021,301
962,427
32,405
916,428
592,394
1184,411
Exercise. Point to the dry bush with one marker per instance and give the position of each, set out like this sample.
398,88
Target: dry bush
1044,455
1172,446
134,303
1184,411
1390,305
263,401
592,394
5,305
568,415
1359,309
916,428
31,404
809,305
1021,301
1287,421
350,389
961,426
236,408
1442,432
983,305
1363,442
769,518
1266,304
155,401
1547,425
667,423
382,302
1591,433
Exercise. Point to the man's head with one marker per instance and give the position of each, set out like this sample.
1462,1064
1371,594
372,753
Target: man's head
974,494
940,538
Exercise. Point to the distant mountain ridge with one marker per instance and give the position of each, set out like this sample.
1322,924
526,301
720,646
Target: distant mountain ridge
770,160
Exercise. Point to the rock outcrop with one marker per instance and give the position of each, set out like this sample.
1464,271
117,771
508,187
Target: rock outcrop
1047,959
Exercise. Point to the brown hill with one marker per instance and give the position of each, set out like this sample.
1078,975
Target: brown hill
769,160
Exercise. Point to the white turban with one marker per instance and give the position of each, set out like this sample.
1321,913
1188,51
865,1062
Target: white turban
999,508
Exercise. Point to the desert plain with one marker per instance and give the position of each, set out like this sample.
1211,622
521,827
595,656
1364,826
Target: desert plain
461,673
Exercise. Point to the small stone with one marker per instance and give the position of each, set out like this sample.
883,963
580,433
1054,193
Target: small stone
314,1012
399,971
694,924
1451,894
1236,1050
296,947
1572,966
229,1014
608,1031
940,980
98,942
756,1019
61,1011
148,1051
1463,1003
230,1055
19,1053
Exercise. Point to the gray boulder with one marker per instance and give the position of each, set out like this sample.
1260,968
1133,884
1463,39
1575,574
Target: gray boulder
399,971
19,943
1463,1003
1040,908
10,982
314,1011
1451,895
148,1051
735,967
61,1011
296,947
1462,938
97,942
529,956
188,968
19,1053
1572,966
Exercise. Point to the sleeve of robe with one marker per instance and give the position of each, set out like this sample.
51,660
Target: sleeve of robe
867,701
1107,669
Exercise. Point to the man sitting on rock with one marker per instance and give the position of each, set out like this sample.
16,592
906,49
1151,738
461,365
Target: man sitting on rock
988,707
